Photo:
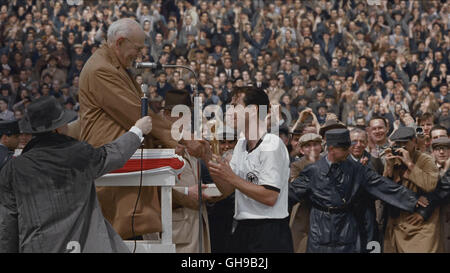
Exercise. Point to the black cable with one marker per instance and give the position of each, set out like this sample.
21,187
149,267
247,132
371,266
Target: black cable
144,112
137,200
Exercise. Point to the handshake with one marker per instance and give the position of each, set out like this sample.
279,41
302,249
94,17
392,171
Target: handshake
197,148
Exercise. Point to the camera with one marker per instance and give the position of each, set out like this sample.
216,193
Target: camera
419,132
395,151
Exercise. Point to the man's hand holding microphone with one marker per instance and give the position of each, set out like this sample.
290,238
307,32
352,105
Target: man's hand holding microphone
145,124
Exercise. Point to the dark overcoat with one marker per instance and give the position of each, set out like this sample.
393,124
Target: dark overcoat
48,201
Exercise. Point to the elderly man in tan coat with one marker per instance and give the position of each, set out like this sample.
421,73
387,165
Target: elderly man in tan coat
110,102
408,232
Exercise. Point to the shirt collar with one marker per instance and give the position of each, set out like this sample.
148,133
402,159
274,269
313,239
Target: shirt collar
354,158
328,161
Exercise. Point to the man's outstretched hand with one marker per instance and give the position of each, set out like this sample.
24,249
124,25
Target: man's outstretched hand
197,148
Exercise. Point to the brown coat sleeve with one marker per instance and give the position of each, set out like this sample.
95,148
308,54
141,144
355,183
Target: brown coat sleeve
295,171
297,167
124,108
425,173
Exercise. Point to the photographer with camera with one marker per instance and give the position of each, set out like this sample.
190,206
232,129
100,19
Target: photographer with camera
408,232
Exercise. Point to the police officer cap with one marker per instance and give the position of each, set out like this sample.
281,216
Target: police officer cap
442,141
338,137
8,127
403,134
309,137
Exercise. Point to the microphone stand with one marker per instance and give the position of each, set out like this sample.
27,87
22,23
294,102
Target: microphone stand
200,201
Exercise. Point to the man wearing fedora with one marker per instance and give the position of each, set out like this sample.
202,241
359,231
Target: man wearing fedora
48,201
333,185
329,125
9,139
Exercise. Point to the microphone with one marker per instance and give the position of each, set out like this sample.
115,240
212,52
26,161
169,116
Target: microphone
142,65
144,102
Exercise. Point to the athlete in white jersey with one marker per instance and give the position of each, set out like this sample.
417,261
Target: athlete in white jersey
258,173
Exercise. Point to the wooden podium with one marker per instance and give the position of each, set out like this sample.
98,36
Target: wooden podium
161,167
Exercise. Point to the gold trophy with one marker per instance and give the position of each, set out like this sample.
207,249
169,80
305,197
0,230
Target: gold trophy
215,145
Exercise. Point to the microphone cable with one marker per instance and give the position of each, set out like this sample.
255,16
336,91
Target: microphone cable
137,200
144,112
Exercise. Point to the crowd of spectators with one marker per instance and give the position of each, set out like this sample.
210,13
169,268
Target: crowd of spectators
354,59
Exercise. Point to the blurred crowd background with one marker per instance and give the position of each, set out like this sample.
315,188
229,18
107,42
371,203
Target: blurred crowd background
351,59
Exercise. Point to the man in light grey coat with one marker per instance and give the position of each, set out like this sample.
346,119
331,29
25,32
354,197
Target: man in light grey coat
48,201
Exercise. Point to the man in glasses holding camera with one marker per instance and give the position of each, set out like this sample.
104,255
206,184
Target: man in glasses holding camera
408,232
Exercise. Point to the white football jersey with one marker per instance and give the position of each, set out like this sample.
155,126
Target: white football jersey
266,165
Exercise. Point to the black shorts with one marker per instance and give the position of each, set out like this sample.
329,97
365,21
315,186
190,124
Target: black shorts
262,236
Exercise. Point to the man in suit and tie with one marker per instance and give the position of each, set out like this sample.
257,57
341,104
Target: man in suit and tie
187,29
227,67
259,80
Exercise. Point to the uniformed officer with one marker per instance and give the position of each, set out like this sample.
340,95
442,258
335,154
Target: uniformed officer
334,185
9,139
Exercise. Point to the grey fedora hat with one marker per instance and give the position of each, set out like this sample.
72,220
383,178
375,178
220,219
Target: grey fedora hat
44,115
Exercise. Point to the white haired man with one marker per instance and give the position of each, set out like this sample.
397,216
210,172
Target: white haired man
109,105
